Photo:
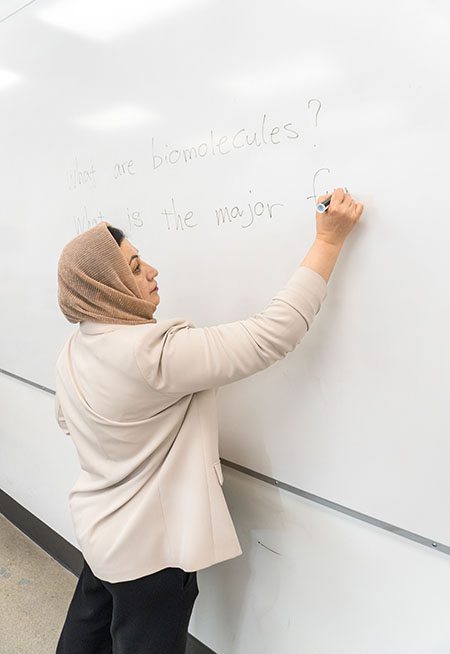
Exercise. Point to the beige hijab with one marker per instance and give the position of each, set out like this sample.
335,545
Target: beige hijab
96,283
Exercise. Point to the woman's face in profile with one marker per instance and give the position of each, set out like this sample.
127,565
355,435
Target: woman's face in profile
143,273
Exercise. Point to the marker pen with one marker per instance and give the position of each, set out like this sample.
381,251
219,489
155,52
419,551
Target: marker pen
323,206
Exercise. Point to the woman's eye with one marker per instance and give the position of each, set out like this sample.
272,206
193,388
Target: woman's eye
138,268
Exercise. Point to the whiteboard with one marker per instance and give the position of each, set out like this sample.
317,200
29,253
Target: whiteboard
206,130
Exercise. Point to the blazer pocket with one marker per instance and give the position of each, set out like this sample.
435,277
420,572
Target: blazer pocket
219,473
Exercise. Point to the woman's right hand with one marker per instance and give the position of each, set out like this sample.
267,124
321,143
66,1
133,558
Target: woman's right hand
334,225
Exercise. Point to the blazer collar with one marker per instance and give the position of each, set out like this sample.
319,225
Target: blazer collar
92,327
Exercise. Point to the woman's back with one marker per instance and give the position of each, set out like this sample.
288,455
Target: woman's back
136,469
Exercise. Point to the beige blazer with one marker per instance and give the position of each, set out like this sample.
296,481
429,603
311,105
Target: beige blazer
139,402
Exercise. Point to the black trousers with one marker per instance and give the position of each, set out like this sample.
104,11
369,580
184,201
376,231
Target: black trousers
149,615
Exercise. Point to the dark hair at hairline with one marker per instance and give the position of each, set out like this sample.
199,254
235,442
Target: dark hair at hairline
116,233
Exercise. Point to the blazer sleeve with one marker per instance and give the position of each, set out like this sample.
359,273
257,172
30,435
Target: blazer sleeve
60,417
189,359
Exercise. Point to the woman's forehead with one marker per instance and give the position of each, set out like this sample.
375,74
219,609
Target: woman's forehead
129,246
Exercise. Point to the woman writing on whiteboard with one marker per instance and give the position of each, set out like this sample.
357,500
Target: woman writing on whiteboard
138,398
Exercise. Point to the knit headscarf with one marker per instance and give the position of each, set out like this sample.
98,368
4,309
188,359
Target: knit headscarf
96,283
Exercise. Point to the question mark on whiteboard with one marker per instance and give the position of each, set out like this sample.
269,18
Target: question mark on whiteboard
318,108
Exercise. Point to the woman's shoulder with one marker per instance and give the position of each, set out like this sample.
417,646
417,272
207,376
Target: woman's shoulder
150,328
151,334
163,326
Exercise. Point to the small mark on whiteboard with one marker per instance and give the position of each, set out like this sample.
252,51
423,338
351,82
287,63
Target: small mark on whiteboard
268,548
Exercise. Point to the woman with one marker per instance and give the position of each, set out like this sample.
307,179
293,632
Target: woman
138,398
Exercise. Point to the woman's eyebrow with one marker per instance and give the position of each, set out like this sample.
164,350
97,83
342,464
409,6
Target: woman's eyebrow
133,257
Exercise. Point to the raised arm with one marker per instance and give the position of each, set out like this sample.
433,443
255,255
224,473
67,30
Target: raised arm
189,359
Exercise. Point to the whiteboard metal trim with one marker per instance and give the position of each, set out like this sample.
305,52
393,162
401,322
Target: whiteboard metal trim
28,381
16,11
410,535
440,547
